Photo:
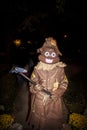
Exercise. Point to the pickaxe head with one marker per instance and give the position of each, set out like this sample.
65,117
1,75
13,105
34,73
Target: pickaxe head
17,70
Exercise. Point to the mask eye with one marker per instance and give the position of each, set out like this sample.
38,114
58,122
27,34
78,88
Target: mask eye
46,54
53,54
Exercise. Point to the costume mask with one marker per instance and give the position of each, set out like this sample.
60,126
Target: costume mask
49,51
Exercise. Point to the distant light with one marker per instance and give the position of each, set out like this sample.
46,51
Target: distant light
65,35
17,42
29,42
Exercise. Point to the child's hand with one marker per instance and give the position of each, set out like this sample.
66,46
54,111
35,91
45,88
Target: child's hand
38,87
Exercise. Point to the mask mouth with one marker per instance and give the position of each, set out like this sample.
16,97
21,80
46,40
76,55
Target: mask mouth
48,60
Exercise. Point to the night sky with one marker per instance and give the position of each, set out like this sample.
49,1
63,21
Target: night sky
71,18
14,12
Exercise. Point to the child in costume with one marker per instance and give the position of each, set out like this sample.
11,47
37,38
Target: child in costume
47,111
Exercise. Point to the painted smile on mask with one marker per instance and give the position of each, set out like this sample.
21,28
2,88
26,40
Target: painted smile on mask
48,60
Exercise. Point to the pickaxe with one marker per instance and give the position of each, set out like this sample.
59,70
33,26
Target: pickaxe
21,72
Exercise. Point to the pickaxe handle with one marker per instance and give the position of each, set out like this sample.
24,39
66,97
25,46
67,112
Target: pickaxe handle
34,83
23,75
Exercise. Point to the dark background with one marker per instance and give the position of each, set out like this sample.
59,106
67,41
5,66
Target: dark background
35,20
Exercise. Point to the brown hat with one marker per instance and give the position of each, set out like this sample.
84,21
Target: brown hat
50,42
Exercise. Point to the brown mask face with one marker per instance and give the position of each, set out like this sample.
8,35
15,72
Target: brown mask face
49,56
